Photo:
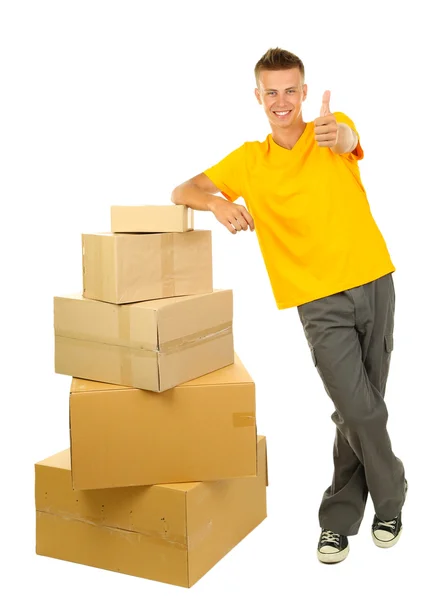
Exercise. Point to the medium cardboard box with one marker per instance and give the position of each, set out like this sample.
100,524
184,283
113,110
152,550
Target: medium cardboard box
122,268
151,219
171,533
152,345
201,430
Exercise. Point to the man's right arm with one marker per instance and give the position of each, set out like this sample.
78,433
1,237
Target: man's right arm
199,192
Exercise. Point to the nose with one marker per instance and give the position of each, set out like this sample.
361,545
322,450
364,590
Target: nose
282,100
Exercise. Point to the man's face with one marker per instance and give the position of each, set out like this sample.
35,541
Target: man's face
281,94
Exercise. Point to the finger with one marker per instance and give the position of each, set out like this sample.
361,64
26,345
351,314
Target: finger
243,223
326,137
248,218
226,224
236,224
324,120
325,106
242,220
324,129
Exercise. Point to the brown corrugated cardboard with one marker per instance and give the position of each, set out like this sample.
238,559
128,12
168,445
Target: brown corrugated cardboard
122,268
171,533
151,218
152,345
202,430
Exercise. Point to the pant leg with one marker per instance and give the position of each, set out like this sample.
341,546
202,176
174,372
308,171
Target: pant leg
343,503
346,333
377,339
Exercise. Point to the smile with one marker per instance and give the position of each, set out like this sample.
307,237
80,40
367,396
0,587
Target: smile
282,113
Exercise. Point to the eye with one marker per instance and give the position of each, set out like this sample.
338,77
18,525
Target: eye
291,91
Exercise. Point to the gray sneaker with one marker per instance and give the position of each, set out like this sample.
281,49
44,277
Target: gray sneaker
387,533
332,547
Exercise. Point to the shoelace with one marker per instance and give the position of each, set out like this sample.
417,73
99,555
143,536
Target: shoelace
330,536
390,524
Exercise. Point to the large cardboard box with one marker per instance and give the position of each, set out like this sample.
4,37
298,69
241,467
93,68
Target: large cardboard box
201,430
122,268
152,345
171,533
151,218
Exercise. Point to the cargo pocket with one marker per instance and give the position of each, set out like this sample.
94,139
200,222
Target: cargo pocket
389,346
389,342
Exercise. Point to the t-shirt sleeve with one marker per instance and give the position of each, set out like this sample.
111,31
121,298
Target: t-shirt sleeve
227,174
357,153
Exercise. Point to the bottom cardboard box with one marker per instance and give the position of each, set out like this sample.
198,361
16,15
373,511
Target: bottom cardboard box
173,533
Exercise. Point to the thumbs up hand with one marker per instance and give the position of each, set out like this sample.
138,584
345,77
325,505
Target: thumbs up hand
326,126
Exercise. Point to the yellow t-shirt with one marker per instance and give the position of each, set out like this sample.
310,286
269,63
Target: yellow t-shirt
311,214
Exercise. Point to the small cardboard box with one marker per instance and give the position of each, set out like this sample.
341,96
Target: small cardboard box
172,533
151,219
122,268
152,345
202,430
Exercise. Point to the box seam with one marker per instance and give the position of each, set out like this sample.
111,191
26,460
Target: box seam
120,529
187,540
179,386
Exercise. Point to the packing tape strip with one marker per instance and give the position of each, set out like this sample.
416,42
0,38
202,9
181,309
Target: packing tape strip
244,419
167,265
169,347
195,339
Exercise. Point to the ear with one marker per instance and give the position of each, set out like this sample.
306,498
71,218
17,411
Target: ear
257,94
304,91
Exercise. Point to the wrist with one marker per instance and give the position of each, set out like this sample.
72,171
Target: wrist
347,139
213,202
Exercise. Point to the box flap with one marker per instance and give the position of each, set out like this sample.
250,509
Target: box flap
131,325
194,317
60,460
235,373
87,385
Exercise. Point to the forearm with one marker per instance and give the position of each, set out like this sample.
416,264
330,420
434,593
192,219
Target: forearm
347,139
194,197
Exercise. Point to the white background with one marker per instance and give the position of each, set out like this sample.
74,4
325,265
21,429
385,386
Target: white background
118,102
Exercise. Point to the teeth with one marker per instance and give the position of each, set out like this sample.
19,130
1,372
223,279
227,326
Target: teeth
282,113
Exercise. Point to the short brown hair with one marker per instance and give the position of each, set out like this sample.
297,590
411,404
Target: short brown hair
277,59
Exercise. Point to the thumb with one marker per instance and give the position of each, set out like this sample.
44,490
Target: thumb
325,106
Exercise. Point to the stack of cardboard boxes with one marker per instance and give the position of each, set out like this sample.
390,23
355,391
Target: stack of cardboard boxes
165,472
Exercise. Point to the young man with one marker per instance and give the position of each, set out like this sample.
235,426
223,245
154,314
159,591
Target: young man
326,256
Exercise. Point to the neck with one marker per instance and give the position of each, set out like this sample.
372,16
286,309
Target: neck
287,138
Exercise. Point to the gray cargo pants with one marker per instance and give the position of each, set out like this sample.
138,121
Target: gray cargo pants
350,335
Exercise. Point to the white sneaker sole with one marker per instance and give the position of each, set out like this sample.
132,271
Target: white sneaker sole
334,557
388,544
